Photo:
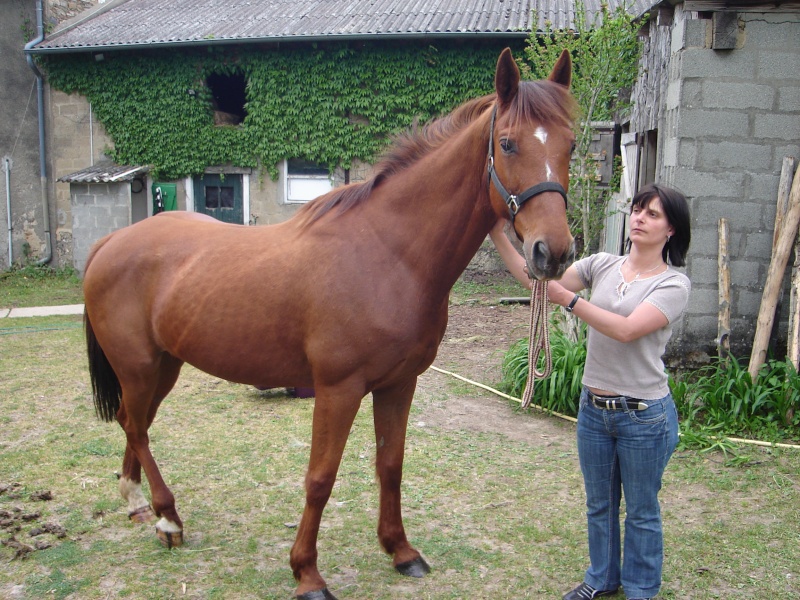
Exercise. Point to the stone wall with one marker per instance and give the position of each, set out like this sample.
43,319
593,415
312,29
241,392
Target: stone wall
729,119
19,137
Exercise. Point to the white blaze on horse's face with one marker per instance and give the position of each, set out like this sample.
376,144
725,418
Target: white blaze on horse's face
541,135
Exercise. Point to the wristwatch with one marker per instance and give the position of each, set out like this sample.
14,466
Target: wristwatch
572,304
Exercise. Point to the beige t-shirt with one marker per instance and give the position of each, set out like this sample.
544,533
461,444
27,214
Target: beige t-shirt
634,368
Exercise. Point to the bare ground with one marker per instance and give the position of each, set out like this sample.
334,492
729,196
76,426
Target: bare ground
478,335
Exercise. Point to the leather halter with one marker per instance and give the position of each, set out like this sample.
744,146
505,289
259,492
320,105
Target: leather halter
515,201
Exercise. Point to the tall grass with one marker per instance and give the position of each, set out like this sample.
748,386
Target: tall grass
722,397
717,400
560,391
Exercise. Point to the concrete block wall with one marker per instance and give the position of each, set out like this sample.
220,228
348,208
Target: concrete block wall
97,210
731,117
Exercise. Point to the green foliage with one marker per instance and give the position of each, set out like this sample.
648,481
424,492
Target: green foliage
605,61
331,104
714,402
560,391
721,399
39,285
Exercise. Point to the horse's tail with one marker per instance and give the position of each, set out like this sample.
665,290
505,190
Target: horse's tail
106,389
105,384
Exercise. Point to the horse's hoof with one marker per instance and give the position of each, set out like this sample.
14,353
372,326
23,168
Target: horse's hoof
322,594
414,568
170,539
144,514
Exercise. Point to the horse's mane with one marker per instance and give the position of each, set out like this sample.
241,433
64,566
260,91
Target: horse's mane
536,100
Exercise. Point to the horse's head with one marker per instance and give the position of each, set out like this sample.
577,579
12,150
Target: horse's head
530,144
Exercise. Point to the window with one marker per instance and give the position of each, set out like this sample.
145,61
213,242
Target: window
228,98
306,180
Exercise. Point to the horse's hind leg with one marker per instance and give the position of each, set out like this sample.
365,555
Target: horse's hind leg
140,403
391,408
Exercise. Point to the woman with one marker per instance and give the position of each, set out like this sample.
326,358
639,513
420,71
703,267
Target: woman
627,421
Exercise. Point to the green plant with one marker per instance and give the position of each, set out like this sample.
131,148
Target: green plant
39,285
560,391
721,399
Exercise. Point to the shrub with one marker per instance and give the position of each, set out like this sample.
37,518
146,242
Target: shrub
560,391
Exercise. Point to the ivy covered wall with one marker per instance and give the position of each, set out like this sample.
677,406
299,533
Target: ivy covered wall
333,104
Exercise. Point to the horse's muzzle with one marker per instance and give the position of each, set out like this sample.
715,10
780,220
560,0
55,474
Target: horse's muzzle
543,264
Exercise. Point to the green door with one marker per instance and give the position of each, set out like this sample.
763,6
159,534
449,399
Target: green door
220,197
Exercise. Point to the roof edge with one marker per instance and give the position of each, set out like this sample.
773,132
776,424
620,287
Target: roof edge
281,39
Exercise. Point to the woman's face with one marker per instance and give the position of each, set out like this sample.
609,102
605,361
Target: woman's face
649,224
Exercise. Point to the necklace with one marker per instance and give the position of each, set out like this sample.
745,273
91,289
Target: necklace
624,285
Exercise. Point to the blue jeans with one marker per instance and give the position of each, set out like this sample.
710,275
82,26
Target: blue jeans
625,451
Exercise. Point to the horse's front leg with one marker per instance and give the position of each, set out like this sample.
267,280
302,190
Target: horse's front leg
391,409
334,413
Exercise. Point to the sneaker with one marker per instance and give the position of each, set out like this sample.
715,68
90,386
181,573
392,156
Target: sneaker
586,592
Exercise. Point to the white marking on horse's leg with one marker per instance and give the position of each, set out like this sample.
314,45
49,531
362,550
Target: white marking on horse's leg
132,492
167,526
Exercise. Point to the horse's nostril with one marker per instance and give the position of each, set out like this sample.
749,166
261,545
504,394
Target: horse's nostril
540,255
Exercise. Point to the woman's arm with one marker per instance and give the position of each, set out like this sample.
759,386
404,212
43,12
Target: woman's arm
645,319
514,262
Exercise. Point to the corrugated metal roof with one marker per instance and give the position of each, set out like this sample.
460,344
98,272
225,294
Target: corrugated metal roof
124,24
104,173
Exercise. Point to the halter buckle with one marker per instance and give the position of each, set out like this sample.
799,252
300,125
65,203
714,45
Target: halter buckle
513,206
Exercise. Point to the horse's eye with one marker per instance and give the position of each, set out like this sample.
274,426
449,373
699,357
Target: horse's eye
506,145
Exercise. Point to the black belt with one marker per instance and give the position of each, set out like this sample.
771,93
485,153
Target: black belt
617,402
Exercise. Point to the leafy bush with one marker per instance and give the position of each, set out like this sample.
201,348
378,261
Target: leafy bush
714,402
560,391
722,399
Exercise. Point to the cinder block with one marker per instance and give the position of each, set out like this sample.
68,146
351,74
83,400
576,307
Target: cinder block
713,185
777,65
739,64
777,126
698,123
719,94
789,98
731,155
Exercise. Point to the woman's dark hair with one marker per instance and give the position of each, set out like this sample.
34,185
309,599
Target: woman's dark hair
676,209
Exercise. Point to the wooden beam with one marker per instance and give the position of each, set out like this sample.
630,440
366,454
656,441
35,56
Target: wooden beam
724,293
772,286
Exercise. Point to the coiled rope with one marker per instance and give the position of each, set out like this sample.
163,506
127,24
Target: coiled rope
539,340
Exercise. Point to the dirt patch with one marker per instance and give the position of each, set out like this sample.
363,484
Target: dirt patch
478,335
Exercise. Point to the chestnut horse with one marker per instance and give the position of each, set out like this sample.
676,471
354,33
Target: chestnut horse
349,296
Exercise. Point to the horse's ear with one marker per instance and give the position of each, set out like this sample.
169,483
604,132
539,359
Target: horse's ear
562,71
506,78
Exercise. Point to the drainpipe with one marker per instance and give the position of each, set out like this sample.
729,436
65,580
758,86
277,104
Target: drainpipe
48,255
7,165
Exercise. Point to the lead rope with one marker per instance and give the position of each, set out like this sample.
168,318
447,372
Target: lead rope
539,340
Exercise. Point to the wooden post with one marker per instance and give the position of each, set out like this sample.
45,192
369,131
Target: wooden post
772,286
793,339
724,293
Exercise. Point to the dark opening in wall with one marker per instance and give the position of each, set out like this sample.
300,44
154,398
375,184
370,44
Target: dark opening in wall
228,98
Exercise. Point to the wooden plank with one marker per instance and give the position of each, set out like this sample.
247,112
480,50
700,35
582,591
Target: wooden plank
741,6
772,286
724,293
